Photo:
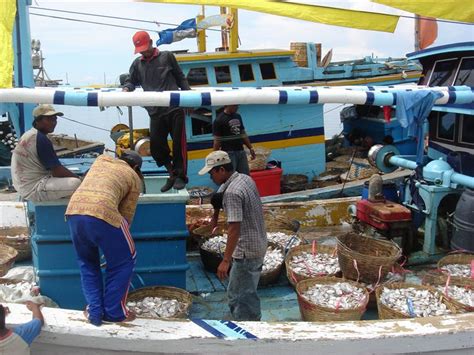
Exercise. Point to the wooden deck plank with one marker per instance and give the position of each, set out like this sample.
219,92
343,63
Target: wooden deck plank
199,280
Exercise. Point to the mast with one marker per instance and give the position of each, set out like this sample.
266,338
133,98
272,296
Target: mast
417,32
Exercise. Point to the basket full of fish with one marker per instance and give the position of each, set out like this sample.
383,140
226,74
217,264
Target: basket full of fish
311,260
272,264
457,266
160,302
366,259
212,251
325,299
404,300
286,240
459,292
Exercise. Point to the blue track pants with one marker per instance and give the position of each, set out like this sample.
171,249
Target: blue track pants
88,235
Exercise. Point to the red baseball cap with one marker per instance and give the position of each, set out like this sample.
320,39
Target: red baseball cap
141,41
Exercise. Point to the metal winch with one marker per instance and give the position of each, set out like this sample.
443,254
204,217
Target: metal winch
425,191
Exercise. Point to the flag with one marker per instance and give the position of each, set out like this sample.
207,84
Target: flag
222,20
187,29
7,19
427,31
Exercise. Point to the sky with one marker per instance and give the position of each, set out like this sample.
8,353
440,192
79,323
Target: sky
86,54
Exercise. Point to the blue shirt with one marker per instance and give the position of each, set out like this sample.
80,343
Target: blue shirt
46,153
29,331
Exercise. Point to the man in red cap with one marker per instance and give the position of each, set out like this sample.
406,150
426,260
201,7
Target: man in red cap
158,70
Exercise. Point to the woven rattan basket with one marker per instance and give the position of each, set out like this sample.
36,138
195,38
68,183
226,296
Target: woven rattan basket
460,258
294,277
271,276
460,282
315,313
366,259
7,258
10,237
167,292
386,312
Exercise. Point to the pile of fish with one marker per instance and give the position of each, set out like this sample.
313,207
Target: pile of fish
414,302
10,140
308,264
273,259
463,295
340,295
156,307
215,244
461,270
287,241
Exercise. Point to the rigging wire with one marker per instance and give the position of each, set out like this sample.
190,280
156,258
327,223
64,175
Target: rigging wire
173,24
91,22
84,124
105,16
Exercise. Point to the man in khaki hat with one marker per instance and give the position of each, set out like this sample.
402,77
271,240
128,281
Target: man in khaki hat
246,235
36,171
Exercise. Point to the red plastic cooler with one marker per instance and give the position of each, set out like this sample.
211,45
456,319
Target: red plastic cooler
267,181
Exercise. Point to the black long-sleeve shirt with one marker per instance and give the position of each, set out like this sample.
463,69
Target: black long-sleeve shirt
159,73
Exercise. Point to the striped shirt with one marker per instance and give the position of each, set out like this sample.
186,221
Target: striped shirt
242,204
109,191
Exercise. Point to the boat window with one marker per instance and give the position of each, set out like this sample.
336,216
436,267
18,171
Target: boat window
197,76
268,71
246,72
446,125
467,129
223,74
201,121
443,72
466,72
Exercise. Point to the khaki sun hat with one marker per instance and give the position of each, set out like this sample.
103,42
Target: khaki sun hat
216,158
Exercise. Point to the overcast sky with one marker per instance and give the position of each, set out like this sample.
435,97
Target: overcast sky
88,52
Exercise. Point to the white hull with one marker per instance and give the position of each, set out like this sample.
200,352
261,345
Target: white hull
66,332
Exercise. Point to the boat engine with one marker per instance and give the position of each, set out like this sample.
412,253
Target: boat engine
381,218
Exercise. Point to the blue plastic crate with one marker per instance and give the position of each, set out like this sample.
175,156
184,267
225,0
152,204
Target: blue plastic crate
159,231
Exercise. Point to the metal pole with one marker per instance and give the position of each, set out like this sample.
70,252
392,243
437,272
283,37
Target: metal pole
130,126
417,32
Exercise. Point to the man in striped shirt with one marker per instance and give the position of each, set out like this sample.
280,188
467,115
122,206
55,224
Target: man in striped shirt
246,236
99,215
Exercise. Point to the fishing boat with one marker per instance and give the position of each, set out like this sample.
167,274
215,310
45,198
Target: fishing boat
66,330
297,129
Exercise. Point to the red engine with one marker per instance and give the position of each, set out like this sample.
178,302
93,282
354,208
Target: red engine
382,214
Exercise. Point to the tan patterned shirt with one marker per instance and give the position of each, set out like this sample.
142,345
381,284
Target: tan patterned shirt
109,191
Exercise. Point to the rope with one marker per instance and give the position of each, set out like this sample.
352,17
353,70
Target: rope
85,124
103,16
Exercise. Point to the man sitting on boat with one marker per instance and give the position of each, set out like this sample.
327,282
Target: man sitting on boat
37,173
18,340
99,215
246,236
158,70
229,135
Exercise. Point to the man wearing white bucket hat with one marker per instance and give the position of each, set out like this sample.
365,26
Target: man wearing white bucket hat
246,235
37,173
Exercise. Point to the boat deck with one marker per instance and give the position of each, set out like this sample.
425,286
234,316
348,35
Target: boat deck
278,301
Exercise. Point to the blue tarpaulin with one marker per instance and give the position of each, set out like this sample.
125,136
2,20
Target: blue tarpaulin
413,108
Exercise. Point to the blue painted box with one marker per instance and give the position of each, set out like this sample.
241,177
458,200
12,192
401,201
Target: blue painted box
159,231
